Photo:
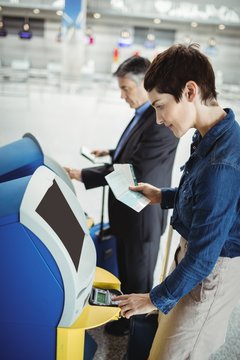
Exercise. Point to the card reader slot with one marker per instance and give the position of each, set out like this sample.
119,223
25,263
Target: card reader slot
103,297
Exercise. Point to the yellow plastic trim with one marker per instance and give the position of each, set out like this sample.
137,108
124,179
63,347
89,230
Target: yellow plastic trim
70,344
70,341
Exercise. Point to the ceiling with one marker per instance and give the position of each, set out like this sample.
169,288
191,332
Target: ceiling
191,10
201,11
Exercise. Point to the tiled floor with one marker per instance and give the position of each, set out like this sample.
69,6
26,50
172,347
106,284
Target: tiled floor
109,347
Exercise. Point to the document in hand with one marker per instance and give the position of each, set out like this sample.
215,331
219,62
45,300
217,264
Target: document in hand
119,181
84,151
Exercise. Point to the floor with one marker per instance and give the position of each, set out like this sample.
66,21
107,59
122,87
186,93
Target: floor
231,349
114,348
65,116
109,347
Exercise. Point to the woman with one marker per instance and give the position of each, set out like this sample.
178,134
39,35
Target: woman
196,299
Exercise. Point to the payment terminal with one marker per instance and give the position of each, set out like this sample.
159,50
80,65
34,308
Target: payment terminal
103,297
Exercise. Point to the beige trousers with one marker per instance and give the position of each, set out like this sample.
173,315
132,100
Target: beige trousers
196,327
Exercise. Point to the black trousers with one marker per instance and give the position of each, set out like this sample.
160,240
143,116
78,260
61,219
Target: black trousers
136,263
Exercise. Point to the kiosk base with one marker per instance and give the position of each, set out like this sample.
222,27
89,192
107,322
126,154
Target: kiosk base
70,341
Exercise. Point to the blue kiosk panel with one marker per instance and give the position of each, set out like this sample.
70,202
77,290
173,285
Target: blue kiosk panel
32,294
47,264
20,158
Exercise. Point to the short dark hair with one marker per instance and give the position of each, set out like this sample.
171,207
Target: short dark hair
135,67
174,67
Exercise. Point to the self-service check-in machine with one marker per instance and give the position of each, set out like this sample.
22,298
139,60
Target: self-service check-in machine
47,264
47,270
22,157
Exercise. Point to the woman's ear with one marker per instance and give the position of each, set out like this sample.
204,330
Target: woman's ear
190,91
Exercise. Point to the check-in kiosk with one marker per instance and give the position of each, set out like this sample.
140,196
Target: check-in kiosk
22,157
47,265
47,261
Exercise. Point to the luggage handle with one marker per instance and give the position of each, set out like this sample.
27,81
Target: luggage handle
102,214
106,233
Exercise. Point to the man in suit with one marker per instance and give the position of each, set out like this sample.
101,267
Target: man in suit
150,148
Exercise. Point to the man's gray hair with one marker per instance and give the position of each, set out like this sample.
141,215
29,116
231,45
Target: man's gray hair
134,68
137,78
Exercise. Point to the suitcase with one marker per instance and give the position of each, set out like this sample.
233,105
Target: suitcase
143,328
141,335
105,244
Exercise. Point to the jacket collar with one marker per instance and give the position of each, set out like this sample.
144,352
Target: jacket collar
205,143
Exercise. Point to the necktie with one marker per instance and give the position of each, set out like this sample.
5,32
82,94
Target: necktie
126,135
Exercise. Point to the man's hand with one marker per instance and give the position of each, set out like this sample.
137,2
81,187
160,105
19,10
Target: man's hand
73,173
150,191
134,304
99,153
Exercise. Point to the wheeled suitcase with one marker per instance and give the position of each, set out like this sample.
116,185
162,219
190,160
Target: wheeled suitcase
143,328
141,335
105,243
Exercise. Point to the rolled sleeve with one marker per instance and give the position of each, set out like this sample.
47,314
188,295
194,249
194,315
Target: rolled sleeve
168,197
162,299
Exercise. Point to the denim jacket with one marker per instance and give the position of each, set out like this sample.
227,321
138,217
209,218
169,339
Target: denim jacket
206,210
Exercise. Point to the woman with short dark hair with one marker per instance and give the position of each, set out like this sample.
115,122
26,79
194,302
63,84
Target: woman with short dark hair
197,297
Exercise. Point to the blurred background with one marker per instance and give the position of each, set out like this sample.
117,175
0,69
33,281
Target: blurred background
56,64
57,59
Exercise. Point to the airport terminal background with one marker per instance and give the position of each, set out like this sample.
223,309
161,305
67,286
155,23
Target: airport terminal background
62,91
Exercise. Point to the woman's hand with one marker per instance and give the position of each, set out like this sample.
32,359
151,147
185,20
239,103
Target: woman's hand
134,304
150,191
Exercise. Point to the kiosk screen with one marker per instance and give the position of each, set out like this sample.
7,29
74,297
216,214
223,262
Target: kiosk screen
55,210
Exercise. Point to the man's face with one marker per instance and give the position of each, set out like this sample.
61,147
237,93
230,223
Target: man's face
135,95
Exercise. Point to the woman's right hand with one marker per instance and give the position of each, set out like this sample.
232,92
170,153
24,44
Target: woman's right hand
151,192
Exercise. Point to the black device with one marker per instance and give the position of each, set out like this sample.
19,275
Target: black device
103,297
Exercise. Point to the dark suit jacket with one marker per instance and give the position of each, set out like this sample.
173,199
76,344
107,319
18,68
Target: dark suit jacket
151,149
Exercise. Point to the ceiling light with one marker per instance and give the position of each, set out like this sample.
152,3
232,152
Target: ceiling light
118,4
26,27
212,42
59,12
156,21
3,31
125,38
151,37
96,15
163,6
25,33
150,43
194,24
221,27
125,34
36,11
187,39
58,4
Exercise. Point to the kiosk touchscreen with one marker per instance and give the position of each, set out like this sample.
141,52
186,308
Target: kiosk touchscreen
52,212
47,264
22,157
